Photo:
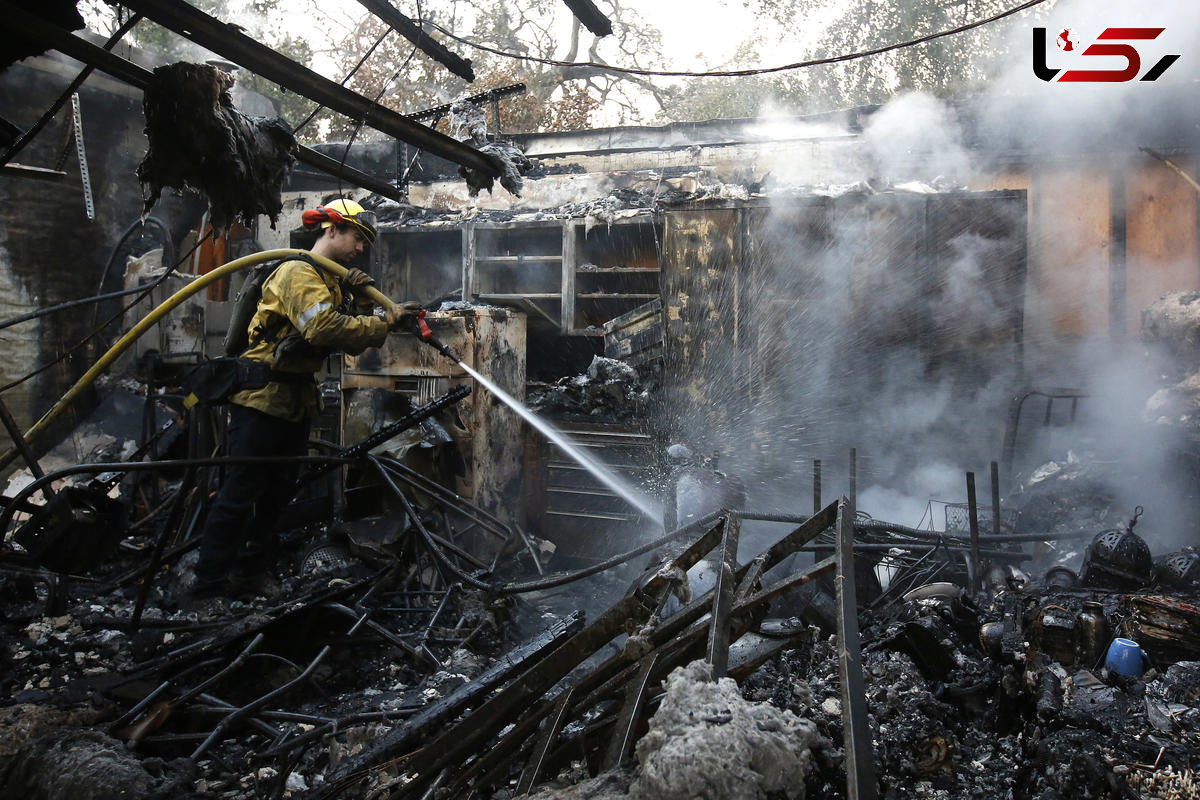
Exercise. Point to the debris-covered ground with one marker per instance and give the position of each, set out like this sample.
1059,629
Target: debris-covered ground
420,647
334,682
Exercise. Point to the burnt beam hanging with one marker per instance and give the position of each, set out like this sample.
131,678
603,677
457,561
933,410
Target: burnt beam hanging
125,70
229,42
592,18
324,163
424,42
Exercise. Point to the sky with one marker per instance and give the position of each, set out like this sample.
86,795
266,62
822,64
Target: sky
704,34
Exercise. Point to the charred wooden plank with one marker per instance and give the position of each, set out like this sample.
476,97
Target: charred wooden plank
425,43
592,18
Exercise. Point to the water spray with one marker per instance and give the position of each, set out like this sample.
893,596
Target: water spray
626,491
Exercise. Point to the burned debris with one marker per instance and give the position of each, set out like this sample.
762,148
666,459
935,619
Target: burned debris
409,655
237,161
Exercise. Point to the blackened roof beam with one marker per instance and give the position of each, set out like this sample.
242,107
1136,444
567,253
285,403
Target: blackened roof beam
586,12
135,75
425,43
229,42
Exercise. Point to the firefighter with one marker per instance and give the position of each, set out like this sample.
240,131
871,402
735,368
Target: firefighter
302,316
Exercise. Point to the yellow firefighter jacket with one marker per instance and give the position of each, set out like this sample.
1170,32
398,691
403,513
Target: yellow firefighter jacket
300,298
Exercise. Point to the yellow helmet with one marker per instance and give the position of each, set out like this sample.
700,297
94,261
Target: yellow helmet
342,212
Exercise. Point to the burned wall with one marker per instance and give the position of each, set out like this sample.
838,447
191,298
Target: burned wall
50,252
891,323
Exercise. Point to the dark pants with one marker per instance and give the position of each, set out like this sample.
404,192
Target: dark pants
240,531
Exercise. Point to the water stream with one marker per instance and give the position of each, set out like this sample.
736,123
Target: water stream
626,491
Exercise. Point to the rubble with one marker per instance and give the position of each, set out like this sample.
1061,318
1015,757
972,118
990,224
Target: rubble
998,694
609,390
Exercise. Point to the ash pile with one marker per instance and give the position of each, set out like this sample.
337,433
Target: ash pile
425,649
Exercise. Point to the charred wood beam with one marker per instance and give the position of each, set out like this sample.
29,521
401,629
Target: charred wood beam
592,18
625,731
466,737
545,743
455,743
320,161
676,640
13,170
859,755
125,70
722,602
818,523
413,732
674,651
229,42
424,42
973,515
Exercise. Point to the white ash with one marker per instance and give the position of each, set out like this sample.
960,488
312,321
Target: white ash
707,741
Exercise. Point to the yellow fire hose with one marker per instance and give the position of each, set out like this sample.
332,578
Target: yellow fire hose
162,310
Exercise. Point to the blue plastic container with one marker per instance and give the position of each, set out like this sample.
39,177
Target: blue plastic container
1125,657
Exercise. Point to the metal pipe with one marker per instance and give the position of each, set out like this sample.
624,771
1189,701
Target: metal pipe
488,522
144,466
72,87
160,542
436,550
253,705
22,445
995,468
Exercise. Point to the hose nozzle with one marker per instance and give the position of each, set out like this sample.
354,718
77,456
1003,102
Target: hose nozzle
425,333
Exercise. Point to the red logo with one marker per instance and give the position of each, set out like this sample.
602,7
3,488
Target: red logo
1112,42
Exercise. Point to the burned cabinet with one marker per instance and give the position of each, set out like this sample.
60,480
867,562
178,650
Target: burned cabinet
565,274
612,270
570,507
420,264
488,436
516,265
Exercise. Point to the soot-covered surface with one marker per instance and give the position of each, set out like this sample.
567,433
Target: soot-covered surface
198,140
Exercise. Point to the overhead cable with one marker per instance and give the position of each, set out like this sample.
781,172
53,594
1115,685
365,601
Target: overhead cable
733,73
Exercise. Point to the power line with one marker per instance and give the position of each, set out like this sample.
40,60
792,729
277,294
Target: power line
733,73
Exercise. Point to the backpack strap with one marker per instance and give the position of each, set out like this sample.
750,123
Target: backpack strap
271,336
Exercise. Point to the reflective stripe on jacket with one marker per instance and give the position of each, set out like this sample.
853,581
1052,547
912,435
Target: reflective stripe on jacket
300,298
